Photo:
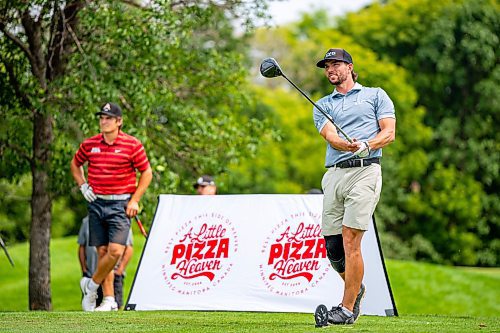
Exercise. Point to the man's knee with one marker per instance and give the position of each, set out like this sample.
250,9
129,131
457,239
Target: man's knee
115,251
352,241
335,252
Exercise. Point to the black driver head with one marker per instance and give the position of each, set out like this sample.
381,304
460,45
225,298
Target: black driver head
270,68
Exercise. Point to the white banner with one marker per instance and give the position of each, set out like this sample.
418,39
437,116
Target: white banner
246,253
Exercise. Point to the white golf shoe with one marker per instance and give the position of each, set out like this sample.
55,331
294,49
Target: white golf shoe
89,296
107,305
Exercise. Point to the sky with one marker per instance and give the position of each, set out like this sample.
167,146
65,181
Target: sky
283,12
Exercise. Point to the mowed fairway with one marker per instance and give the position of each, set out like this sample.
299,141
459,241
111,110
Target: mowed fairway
429,298
191,321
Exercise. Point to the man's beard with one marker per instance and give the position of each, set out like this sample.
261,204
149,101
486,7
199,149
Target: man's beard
341,77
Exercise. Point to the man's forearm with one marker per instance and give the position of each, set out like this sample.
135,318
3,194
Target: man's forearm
81,258
330,134
383,138
144,181
78,173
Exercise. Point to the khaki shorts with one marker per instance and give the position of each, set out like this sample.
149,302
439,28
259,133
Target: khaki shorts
350,197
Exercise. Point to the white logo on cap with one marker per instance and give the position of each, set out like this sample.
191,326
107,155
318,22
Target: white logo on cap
106,107
331,53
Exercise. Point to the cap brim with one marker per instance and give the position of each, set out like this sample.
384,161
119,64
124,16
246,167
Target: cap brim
204,184
106,113
321,63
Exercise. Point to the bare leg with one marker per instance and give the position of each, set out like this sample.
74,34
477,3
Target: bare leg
354,266
107,285
108,257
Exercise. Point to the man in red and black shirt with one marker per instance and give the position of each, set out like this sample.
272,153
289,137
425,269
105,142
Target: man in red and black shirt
113,158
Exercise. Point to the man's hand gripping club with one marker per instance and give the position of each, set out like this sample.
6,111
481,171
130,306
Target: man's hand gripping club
363,150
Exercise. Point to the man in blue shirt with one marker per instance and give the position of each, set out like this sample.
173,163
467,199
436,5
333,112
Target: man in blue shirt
353,180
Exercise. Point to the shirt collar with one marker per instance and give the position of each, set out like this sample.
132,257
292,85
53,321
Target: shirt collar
117,140
356,87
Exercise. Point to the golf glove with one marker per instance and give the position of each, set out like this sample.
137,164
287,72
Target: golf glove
87,192
363,151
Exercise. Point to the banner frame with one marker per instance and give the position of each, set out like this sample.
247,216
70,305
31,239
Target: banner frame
131,307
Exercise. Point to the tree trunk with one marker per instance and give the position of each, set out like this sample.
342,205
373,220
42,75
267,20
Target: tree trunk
45,69
41,215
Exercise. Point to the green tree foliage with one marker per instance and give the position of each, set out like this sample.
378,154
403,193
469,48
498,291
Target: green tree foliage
15,213
298,155
286,160
181,85
174,67
452,49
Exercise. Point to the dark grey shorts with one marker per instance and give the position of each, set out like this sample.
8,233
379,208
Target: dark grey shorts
108,222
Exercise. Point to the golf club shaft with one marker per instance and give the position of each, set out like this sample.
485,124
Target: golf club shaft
6,252
319,108
141,227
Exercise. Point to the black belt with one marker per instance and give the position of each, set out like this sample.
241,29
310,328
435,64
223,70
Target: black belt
356,163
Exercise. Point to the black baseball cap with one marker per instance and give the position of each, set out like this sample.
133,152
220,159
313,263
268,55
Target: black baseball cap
110,109
204,180
335,54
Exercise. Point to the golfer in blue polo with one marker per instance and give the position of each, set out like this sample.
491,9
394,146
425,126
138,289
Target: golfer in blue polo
353,180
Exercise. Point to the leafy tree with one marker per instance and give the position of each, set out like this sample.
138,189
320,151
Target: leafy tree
174,67
298,155
451,47
285,162
15,212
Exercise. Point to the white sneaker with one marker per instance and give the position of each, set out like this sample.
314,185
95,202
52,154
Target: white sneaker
89,297
107,305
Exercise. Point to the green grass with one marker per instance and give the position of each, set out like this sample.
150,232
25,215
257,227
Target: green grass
429,298
206,322
65,275
421,288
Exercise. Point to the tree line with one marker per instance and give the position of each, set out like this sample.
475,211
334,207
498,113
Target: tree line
190,91
176,69
439,63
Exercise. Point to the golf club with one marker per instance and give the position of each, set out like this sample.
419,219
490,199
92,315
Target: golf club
2,244
141,227
270,68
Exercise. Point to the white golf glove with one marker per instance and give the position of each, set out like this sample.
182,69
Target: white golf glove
87,192
363,151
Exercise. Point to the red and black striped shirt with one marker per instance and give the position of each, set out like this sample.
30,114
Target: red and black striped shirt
112,167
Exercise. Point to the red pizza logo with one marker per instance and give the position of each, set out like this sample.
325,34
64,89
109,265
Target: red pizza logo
199,256
295,253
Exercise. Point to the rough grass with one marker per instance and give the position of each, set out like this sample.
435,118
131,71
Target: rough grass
207,322
429,298
421,288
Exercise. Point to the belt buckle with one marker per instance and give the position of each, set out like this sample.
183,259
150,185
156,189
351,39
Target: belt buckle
361,162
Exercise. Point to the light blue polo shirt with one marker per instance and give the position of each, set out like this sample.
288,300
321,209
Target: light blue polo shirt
357,113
